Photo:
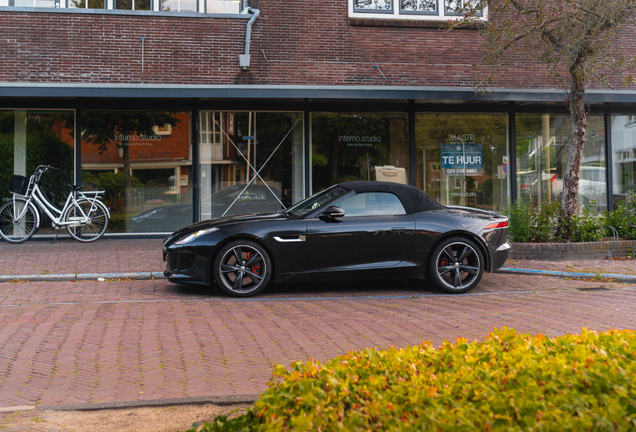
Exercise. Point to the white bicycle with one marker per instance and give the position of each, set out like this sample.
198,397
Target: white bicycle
84,216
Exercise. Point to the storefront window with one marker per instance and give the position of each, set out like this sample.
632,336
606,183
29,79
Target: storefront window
251,162
624,155
142,159
542,144
462,159
31,138
358,146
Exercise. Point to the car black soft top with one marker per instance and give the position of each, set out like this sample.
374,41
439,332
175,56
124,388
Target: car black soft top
413,199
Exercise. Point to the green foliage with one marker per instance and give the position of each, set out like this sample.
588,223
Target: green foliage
108,181
520,220
623,218
544,219
587,226
509,382
43,147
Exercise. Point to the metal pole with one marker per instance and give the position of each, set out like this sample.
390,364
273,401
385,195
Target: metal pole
412,154
512,151
609,163
196,163
78,145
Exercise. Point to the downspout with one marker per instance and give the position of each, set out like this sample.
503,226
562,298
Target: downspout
244,59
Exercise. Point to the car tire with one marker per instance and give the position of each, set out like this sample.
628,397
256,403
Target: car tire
456,265
247,277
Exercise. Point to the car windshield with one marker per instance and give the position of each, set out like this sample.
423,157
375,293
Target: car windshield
315,201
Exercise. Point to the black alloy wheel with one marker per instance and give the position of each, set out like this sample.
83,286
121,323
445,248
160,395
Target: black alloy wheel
456,265
242,269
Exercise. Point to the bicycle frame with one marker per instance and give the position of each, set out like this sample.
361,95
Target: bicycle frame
34,195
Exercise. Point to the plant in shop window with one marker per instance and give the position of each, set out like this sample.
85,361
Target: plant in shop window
572,41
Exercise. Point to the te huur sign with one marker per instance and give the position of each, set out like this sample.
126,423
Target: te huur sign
462,159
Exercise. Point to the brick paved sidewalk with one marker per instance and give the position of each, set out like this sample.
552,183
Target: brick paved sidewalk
85,342
67,256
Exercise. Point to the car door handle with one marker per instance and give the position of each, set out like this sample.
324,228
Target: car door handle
398,229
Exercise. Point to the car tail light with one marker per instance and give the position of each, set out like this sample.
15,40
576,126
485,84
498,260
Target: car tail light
497,225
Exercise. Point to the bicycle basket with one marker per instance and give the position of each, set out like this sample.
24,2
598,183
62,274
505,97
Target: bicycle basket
18,184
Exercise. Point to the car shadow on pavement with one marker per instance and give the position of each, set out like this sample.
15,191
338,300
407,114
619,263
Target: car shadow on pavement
376,288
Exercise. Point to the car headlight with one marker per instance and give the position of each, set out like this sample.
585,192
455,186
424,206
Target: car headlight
195,235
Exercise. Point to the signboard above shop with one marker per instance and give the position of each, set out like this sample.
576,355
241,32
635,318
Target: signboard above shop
462,159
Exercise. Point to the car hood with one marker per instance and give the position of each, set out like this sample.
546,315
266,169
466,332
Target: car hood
224,221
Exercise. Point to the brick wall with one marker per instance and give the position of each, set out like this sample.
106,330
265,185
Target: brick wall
314,44
571,251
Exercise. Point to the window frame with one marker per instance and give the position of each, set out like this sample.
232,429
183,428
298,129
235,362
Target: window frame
110,8
395,13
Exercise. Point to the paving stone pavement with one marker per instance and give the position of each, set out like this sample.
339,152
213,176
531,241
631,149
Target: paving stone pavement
67,256
89,342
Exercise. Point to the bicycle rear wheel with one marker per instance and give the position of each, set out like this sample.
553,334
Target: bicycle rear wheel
95,228
21,230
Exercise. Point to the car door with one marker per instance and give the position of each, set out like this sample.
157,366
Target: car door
375,233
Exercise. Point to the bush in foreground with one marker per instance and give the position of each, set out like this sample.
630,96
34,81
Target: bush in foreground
509,382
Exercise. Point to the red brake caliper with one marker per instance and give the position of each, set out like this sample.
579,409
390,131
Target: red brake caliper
256,268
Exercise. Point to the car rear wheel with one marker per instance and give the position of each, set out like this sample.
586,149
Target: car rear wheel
242,269
456,265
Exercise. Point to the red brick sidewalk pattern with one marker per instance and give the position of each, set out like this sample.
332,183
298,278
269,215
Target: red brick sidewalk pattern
82,342
71,257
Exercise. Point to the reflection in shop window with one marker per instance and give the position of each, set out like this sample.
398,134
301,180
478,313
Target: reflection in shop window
624,156
358,146
29,138
462,159
147,177
251,162
542,145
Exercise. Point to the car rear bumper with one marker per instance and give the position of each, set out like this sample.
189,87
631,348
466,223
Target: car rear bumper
500,255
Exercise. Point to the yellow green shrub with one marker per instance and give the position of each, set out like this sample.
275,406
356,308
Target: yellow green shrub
511,382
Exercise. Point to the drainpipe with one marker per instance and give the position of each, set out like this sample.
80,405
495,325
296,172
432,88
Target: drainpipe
244,59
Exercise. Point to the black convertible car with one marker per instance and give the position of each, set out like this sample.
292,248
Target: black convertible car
354,230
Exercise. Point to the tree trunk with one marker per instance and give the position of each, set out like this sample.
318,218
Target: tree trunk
578,131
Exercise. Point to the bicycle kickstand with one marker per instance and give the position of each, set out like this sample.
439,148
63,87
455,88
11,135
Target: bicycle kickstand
58,233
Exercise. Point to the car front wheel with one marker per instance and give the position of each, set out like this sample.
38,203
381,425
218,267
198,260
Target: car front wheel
242,269
456,265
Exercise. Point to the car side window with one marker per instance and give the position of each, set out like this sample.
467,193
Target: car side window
372,204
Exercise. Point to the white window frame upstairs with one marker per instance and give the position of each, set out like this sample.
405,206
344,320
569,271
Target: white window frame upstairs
396,14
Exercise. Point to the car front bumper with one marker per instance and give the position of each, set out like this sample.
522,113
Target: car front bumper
185,265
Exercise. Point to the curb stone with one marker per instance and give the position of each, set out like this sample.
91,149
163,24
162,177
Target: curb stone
156,403
618,277
80,276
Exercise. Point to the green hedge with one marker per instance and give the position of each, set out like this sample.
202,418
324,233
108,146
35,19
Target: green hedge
511,382
533,223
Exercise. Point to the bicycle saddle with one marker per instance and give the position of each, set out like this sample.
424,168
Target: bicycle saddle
74,188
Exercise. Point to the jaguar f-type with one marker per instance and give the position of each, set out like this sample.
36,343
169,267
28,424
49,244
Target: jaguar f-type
350,231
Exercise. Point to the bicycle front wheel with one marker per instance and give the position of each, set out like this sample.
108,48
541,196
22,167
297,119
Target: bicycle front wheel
97,220
21,230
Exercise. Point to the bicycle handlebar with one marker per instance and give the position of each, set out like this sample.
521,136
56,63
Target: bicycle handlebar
45,168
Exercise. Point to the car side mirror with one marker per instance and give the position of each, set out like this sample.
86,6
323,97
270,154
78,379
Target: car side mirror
333,212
